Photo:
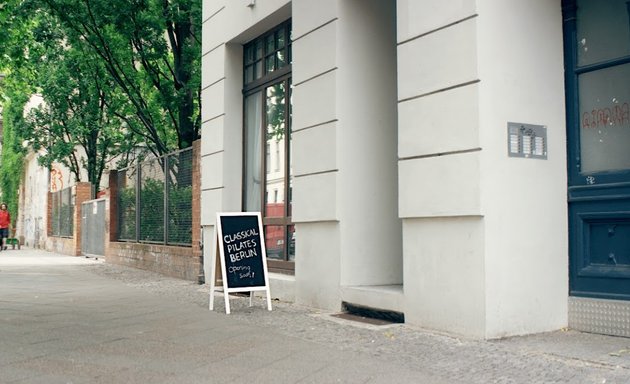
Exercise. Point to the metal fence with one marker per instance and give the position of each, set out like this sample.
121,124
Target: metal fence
155,200
62,214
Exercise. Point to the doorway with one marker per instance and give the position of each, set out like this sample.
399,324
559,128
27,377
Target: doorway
597,60
93,228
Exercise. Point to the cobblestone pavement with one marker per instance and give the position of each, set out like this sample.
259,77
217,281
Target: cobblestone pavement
557,357
74,320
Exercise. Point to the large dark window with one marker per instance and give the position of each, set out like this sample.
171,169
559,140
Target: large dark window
267,141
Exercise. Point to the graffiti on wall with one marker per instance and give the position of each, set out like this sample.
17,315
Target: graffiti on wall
56,180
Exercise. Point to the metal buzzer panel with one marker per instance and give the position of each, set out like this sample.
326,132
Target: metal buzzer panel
527,140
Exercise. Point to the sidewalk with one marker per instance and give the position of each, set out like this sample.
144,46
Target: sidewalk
77,320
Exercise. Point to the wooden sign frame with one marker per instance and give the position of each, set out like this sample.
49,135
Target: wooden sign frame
219,250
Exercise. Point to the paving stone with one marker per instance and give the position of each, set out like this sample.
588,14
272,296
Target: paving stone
76,320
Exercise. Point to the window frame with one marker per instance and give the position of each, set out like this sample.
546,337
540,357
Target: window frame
577,178
282,75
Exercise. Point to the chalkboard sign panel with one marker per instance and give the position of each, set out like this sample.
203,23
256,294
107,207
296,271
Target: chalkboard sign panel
242,251
240,245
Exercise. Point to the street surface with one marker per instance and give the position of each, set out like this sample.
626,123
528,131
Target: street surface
77,320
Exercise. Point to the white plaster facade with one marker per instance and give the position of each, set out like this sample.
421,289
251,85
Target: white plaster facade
404,196
31,225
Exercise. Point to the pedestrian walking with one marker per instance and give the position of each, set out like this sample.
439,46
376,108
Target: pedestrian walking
5,224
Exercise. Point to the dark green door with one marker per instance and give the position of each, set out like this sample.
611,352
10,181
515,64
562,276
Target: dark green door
597,62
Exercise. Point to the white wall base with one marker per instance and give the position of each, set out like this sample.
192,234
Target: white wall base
282,287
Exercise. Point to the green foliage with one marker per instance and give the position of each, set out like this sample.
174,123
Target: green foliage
74,113
180,215
276,111
15,90
152,212
112,73
127,213
12,154
151,51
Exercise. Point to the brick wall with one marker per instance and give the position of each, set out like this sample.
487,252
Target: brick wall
83,192
69,246
180,262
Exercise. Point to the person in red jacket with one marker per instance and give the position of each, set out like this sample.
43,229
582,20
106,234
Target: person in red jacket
5,223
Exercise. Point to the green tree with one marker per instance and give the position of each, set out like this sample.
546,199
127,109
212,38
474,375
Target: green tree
102,64
14,99
74,113
15,91
151,50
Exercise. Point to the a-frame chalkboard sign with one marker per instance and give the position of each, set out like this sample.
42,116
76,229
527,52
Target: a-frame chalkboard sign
240,245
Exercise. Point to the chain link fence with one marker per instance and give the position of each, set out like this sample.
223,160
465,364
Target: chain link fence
179,198
127,193
155,200
62,215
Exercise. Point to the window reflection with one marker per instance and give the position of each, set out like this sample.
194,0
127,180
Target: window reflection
266,54
270,64
274,241
290,154
267,183
276,117
253,174
291,239
602,30
605,119
270,44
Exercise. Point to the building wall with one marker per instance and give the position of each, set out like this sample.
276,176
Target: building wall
402,174
344,135
524,200
31,219
316,135
485,235
227,25
367,196
439,163
31,223
37,181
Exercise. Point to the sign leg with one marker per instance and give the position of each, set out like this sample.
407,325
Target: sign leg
226,296
213,271
268,299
